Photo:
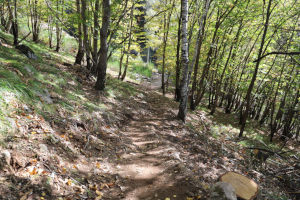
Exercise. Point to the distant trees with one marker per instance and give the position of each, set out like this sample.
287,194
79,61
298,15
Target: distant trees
241,63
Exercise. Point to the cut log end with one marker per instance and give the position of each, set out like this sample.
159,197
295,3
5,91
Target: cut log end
245,188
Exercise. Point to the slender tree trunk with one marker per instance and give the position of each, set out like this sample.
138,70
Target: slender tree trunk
248,95
184,61
34,19
14,20
129,43
121,61
219,82
50,30
178,62
198,49
95,37
86,43
167,19
80,52
59,4
102,65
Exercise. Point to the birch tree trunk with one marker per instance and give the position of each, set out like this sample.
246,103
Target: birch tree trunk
184,61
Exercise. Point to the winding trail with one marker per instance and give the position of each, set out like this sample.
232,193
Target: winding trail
153,164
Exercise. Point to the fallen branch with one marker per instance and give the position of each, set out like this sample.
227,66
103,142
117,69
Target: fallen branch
24,38
2,38
266,150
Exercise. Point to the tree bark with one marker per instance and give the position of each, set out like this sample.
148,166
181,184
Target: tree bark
198,49
80,52
129,43
184,61
102,65
248,95
178,62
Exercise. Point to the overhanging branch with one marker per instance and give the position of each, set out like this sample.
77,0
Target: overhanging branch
278,53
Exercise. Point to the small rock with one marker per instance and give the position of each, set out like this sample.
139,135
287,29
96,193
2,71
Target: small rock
43,148
19,159
28,69
27,51
27,109
223,191
5,158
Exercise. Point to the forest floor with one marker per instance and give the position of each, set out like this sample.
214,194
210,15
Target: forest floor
69,141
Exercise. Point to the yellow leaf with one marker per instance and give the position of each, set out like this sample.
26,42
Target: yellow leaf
75,167
42,198
69,182
33,161
64,170
98,165
99,195
33,132
43,194
33,172
189,198
167,198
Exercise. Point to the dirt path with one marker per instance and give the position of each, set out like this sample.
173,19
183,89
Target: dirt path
153,165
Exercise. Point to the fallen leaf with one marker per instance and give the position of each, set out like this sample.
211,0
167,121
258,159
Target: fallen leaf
98,165
69,182
99,195
44,172
64,170
33,132
110,184
33,161
33,172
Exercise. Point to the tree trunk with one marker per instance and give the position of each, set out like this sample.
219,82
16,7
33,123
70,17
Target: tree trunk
14,20
197,51
184,61
129,43
178,62
80,52
248,95
58,28
95,37
102,65
86,43
165,41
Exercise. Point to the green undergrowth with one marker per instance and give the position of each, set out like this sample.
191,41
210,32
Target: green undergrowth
46,87
227,126
136,67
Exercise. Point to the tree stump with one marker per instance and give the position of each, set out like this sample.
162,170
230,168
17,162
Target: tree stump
245,188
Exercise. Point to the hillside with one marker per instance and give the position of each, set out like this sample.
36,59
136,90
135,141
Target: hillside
62,139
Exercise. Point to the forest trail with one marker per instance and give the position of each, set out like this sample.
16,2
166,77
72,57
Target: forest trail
152,166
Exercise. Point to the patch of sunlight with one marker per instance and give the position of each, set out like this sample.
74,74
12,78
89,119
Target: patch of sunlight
111,93
139,171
